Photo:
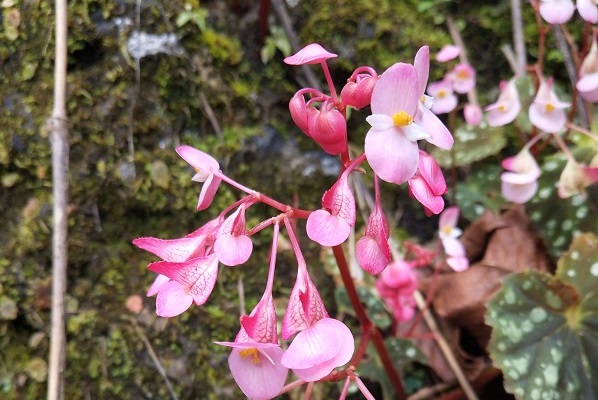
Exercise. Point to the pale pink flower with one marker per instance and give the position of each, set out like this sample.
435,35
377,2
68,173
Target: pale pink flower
557,11
391,143
463,78
520,183
472,114
233,246
576,177
445,100
191,281
313,53
331,225
428,184
396,285
547,112
448,52
506,108
317,350
588,9
372,250
588,74
439,134
205,167
449,234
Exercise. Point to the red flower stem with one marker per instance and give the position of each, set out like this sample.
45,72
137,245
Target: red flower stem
365,322
361,349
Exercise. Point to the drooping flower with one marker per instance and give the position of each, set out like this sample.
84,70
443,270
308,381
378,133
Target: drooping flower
448,52
588,9
546,112
205,168
445,100
313,53
520,182
372,250
428,184
439,134
191,281
449,234
391,143
575,177
317,350
588,74
331,225
557,11
397,285
357,92
463,78
472,114
232,245
328,127
506,108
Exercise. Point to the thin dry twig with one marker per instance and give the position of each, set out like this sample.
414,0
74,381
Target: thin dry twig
59,134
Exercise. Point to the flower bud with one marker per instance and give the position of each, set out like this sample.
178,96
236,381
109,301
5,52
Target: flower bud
358,93
329,129
472,114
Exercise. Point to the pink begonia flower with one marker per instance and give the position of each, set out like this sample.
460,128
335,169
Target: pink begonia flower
588,9
257,368
448,52
191,281
439,134
372,250
506,108
301,112
205,167
546,112
472,114
576,177
331,225
396,285
305,306
232,245
448,234
328,127
588,74
317,350
463,78
445,100
313,53
520,183
428,184
557,11
357,92
391,143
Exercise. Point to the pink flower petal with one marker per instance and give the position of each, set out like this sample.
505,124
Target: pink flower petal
439,134
233,250
158,283
372,255
453,247
588,10
449,218
172,300
173,250
317,350
458,264
208,191
391,155
519,193
463,78
472,114
430,170
340,201
259,374
422,67
556,11
197,275
588,87
396,91
448,52
260,325
327,229
423,193
198,159
311,54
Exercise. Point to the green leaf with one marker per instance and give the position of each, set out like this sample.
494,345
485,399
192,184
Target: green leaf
545,328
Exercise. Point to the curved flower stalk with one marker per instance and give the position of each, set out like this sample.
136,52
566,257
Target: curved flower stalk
520,182
445,100
205,167
372,250
547,112
449,234
506,108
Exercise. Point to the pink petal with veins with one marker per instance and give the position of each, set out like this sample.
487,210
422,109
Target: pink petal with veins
311,54
173,299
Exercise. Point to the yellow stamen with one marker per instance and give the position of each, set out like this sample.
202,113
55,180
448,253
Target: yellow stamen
447,230
251,352
463,74
502,108
402,118
549,107
441,94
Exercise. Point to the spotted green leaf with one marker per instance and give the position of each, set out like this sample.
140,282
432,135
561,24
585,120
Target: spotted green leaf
545,328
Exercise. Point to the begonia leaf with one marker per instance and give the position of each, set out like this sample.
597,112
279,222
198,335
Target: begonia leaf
544,328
